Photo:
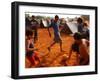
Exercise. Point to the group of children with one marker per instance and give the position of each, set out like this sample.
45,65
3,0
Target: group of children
80,45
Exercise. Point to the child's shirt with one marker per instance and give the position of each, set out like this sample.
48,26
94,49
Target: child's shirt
29,45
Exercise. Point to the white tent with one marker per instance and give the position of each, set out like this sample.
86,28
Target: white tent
73,26
44,23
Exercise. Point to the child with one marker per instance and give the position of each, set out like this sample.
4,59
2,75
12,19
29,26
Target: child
30,53
85,31
80,46
57,37
34,27
80,25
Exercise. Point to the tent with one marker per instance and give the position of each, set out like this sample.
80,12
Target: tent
69,28
44,23
73,26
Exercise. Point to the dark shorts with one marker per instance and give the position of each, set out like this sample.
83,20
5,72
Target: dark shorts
75,48
57,40
29,53
86,63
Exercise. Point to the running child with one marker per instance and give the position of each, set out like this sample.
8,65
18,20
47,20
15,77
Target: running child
57,37
31,55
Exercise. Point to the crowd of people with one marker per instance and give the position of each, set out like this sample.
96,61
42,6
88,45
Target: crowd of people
80,45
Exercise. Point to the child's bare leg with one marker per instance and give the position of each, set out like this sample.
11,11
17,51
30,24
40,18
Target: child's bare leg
37,57
31,59
49,48
77,59
61,47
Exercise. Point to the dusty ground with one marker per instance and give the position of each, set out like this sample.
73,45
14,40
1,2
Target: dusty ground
54,57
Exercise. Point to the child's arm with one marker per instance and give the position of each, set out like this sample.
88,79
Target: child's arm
70,53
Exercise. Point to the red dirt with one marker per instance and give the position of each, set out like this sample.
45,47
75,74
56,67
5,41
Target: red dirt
54,57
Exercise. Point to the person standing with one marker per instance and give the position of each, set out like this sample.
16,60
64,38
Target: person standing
80,25
34,27
86,31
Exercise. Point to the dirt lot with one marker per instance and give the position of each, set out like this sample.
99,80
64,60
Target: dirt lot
54,57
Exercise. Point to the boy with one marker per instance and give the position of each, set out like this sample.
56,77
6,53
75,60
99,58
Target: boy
57,37
30,53
80,25
80,46
34,27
